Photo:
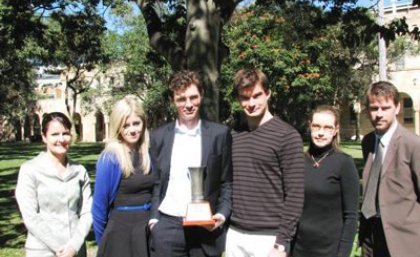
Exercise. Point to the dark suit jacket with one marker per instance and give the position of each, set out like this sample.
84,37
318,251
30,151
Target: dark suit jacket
399,195
216,158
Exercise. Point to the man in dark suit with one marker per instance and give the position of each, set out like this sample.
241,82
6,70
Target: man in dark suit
390,221
189,142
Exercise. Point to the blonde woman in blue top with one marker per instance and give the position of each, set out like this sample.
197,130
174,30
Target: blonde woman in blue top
124,184
54,195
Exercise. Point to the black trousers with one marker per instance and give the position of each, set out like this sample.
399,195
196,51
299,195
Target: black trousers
170,239
374,242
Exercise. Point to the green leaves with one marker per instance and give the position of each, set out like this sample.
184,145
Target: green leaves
44,32
308,55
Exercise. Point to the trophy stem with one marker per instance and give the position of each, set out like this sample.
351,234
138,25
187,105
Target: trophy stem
198,210
196,176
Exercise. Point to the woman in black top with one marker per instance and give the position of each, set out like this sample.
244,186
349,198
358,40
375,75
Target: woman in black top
329,219
124,184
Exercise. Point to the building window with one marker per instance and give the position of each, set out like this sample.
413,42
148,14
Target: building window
408,110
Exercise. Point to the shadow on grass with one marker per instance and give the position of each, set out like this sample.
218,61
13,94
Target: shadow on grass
19,151
12,229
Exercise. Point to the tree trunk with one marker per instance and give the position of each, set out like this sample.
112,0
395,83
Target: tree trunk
357,108
357,138
202,51
71,109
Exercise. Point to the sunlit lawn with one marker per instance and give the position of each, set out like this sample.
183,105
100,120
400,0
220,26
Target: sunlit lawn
12,231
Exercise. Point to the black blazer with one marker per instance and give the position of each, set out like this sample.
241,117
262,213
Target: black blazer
216,158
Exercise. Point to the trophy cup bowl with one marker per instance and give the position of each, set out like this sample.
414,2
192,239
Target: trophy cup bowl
198,210
196,178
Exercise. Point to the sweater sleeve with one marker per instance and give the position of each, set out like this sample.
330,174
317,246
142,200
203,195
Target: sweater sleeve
349,183
108,176
293,170
27,199
85,219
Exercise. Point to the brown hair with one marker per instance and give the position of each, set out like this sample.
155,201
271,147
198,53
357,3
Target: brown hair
183,79
249,77
55,116
385,89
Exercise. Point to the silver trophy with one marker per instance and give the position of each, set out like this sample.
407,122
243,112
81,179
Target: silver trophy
198,210
196,178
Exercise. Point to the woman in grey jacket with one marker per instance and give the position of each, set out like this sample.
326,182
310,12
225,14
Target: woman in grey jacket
54,195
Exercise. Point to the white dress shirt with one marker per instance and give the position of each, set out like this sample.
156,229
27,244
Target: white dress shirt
386,138
186,152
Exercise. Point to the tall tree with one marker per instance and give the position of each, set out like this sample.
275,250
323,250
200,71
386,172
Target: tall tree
188,34
27,40
16,17
74,40
145,71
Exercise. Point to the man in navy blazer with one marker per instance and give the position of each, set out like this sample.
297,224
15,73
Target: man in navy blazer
189,142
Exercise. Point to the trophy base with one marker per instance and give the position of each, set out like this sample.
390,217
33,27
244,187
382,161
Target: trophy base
202,223
199,214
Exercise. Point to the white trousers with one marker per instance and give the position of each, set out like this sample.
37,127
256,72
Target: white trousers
243,244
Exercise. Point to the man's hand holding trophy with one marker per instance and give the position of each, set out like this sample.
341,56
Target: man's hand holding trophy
198,211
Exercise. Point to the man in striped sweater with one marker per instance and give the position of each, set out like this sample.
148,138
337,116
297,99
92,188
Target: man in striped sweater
268,175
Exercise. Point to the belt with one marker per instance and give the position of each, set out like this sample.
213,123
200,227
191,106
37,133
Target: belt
143,207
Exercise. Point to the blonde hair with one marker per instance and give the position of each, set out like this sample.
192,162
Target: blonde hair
122,109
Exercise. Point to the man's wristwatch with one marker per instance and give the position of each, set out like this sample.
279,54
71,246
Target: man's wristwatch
281,248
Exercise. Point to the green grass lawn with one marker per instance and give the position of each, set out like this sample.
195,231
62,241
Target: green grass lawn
12,155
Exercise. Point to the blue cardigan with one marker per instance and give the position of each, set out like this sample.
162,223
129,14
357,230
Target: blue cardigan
108,177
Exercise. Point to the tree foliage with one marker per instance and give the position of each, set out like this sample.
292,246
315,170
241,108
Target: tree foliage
145,71
74,40
308,59
45,32
305,47
187,34
15,69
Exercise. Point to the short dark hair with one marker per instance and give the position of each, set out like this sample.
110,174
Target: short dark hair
249,77
182,79
385,89
55,116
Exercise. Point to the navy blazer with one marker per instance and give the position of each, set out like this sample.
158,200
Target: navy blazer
216,158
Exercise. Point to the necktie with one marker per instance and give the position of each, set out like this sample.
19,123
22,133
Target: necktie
369,202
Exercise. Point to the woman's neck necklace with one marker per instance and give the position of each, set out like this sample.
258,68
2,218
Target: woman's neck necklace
317,164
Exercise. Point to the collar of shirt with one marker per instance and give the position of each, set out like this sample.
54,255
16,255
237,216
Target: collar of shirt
184,130
386,138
